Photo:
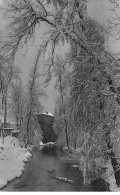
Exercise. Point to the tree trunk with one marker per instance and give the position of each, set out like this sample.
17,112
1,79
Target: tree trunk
61,92
66,132
75,143
21,122
111,154
28,126
5,112
17,123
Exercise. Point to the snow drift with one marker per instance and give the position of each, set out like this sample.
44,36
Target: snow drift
12,159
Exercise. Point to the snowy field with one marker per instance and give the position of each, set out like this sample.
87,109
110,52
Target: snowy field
12,159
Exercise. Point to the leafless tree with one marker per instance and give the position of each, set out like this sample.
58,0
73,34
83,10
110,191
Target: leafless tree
33,105
60,72
9,74
17,102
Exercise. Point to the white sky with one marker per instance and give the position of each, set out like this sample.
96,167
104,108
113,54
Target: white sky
97,9
1,1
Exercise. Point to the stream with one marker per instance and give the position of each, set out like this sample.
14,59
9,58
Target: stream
51,171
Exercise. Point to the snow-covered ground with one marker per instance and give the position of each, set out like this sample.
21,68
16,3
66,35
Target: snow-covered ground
110,178
12,159
41,143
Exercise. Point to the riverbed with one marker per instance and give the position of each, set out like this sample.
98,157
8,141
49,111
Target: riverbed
51,171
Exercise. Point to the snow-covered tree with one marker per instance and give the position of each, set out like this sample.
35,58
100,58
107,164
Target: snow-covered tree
17,102
62,81
94,88
33,104
9,75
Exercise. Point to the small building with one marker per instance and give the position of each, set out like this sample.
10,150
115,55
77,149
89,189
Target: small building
6,131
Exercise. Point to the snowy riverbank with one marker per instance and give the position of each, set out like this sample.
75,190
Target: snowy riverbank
109,177
12,159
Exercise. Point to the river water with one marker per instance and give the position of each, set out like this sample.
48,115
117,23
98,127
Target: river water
42,171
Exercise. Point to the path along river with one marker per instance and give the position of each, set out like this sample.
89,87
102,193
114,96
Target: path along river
41,172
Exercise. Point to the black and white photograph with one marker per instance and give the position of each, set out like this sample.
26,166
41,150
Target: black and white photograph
59,96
